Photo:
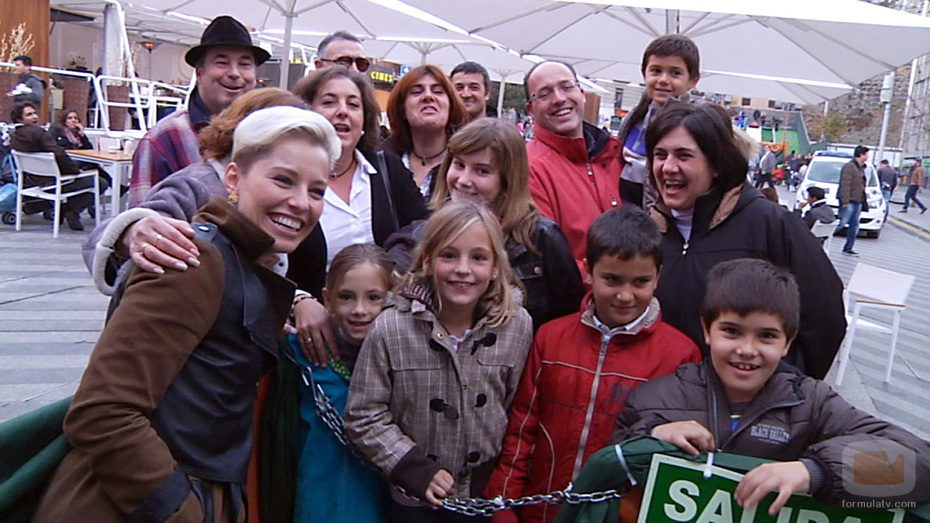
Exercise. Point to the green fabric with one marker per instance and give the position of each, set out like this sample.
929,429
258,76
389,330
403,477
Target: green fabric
278,443
31,446
603,471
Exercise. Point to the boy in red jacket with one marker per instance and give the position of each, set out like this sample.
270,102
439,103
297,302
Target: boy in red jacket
583,366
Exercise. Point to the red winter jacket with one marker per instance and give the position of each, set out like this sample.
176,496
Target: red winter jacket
573,388
574,180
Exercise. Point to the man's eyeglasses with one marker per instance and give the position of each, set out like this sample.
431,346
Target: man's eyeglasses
361,63
546,93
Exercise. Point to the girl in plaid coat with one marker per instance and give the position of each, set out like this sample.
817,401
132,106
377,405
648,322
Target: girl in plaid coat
429,396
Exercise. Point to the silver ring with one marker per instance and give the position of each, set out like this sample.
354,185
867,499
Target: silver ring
142,249
158,239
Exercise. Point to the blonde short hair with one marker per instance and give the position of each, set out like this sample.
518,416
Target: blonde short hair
261,130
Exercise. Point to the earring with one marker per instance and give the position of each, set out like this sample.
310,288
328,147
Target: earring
363,132
233,197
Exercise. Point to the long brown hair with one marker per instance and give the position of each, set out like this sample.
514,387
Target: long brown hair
514,206
401,140
63,121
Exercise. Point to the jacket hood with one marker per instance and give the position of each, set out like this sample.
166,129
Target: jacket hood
711,209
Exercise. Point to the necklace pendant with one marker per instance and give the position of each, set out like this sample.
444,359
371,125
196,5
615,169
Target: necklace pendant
423,161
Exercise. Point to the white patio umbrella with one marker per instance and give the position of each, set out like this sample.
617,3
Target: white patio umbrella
826,41
745,84
502,65
280,22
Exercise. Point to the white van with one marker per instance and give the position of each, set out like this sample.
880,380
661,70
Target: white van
824,172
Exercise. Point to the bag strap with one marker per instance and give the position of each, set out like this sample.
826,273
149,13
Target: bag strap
386,179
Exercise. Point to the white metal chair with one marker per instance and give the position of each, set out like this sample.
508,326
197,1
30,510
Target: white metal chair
824,231
874,288
107,143
44,164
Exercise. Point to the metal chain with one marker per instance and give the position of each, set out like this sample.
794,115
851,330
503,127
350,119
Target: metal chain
466,506
488,507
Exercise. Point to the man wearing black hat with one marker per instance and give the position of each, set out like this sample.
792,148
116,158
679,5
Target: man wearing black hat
225,63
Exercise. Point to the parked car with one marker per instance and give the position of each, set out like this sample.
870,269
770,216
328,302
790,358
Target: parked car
824,172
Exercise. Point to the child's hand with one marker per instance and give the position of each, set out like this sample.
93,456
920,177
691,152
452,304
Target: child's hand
440,487
786,478
690,436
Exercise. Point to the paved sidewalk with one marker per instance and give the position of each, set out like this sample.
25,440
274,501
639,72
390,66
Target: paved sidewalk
912,220
50,314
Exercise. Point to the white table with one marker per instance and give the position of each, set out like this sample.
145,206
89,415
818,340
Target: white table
118,165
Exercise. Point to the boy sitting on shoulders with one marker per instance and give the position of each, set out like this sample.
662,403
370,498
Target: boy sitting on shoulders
746,401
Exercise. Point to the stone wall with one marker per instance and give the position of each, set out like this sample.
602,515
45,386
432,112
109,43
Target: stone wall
863,111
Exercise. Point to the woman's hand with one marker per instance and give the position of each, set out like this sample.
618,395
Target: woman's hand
314,331
439,487
690,436
156,242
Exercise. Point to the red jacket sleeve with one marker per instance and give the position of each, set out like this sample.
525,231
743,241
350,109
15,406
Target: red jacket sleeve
509,477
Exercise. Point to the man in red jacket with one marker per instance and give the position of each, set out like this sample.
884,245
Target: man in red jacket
574,165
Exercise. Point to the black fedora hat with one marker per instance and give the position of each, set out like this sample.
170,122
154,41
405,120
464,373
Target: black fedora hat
225,30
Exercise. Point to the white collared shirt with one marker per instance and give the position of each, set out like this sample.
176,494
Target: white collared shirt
349,223
609,333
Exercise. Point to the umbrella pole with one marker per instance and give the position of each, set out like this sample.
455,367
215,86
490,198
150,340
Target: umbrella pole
286,58
500,96
672,25
886,97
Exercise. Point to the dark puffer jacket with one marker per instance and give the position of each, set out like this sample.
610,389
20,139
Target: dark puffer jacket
793,417
744,224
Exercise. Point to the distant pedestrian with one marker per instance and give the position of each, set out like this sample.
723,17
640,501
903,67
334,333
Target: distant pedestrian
888,176
30,87
851,195
794,165
766,169
914,183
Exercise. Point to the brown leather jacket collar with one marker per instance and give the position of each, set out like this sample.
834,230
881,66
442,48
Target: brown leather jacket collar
243,232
